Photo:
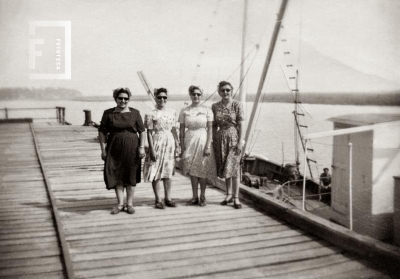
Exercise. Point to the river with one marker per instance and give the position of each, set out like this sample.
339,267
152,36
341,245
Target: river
273,134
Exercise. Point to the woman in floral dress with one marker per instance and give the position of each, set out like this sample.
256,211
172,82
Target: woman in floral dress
162,138
227,141
197,153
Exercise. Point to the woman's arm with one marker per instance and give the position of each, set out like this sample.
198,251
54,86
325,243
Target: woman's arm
240,133
182,136
141,144
151,147
102,139
176,139
214,130
207,148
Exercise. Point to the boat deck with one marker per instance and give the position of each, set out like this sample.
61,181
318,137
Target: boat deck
188,241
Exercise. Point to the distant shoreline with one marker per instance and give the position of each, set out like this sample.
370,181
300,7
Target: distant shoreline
382,99
361,99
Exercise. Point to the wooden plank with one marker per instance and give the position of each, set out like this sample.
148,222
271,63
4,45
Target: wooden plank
194,259
182,246
364,246
141,240
30,262
207,249
29,246
47,275
212,267
29,271
28,240
30,254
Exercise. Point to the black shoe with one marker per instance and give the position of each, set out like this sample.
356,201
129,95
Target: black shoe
203,202
226,201
117,209
170,203
237,205
159,205
130,209
193,201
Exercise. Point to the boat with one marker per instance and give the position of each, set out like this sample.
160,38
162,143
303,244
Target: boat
279,180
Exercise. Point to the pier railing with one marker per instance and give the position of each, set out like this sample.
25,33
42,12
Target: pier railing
39,113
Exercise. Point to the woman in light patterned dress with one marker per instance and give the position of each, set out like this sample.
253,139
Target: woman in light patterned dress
197,153
163,139
227,141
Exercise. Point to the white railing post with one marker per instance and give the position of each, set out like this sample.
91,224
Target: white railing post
350,184
304,174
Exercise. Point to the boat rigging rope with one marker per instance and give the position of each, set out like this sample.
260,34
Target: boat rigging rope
248,69
259,111
256,47
205,41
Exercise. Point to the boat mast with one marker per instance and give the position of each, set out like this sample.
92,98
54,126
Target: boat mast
296,109
242,95
265,70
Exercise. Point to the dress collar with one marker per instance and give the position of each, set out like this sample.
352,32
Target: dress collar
123,111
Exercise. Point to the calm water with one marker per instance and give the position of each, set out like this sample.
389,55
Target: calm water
273,135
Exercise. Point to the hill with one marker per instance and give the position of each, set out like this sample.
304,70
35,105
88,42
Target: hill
47,93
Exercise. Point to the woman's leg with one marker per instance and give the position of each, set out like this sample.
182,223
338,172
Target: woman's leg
119,191
228,185
156,189
167,188
203,184
130,190
129,199
195,185
236,187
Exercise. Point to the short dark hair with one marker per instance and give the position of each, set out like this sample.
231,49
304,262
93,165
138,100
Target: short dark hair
120,90
192,88
326,169
223,83
160,90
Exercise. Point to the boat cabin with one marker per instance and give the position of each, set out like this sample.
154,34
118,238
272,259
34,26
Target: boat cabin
375,161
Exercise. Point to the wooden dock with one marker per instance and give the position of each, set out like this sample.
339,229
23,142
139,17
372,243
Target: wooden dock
184,242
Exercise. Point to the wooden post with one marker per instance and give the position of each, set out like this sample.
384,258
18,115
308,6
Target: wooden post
88,117
242,95
6,113
351,184
62,115
58,114
304,175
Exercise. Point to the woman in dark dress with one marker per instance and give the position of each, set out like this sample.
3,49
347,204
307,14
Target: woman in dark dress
227,141
122,135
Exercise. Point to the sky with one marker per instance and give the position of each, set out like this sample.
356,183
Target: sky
336,45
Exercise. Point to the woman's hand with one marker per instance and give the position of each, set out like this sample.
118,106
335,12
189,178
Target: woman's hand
238,148
153,157
178,150
142,154
207,151
103,155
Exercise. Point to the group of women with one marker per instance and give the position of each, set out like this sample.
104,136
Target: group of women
210,143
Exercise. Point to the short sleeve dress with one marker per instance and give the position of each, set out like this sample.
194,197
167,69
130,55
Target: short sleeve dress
194,163
122,165
161,122
227,118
